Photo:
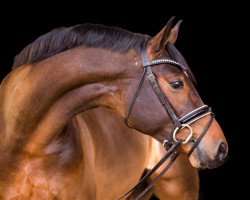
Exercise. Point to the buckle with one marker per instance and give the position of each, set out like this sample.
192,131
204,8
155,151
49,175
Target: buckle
188,138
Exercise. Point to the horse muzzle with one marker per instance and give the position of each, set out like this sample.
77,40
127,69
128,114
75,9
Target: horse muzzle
200,158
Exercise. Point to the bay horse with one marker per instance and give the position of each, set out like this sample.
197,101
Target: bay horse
49,150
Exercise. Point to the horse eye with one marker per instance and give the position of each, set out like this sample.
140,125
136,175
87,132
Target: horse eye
177,84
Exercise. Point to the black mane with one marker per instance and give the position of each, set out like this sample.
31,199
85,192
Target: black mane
89,35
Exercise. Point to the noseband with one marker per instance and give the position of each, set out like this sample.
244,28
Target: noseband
173,143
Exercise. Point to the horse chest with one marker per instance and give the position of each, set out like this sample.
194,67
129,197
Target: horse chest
30,182
45,177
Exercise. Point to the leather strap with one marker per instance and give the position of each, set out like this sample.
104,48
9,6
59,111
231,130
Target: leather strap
173,158
170,152
202,134
144,58
134,98
146,62
164,101
197,113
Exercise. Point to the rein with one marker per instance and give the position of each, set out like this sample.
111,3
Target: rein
172,144
171,152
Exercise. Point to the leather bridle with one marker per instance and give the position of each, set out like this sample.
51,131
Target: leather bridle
173,143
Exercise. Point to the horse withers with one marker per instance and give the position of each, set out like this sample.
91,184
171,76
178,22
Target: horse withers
48,149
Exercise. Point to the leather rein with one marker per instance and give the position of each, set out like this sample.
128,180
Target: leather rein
172,144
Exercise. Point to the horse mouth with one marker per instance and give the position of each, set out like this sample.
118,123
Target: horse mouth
205,162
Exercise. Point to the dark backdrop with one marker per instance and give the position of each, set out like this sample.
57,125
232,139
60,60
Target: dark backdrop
209,39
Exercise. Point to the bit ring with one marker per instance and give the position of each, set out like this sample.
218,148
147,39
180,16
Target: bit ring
188,138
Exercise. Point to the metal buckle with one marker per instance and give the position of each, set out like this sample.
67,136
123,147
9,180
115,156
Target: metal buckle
188,138
167,144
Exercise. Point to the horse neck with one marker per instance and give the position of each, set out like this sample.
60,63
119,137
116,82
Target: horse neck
45,96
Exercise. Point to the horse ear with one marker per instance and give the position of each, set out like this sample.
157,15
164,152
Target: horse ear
167,34
174,33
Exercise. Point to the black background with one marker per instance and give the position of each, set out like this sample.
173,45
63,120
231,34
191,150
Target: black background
211,38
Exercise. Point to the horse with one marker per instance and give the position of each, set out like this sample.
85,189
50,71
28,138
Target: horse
51,150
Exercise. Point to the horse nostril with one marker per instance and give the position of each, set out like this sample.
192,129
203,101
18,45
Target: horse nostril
222,152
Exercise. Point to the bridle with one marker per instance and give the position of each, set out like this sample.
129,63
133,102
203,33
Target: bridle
173,143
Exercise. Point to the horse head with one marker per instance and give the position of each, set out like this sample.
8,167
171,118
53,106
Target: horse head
167,106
